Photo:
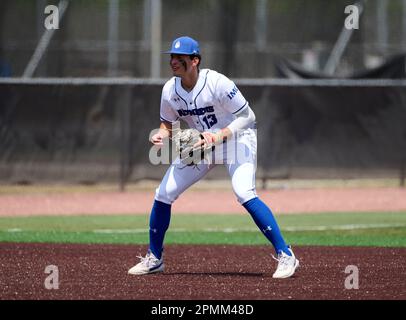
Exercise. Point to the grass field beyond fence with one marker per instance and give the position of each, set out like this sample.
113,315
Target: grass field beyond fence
345,229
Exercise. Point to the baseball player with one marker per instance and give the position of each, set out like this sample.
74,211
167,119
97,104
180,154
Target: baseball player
211,103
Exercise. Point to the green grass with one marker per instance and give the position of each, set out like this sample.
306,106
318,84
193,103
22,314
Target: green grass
345,229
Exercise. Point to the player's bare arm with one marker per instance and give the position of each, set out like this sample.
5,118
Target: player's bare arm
164,132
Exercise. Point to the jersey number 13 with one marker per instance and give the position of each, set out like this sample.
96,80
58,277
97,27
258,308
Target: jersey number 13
210,120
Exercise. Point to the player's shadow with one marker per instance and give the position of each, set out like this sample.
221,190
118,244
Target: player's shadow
219,274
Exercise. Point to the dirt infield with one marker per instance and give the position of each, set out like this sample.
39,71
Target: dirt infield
199,272
221,201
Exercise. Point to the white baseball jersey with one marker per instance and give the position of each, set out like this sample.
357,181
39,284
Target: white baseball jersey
211,105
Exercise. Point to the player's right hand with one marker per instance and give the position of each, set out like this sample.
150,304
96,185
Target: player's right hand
157,139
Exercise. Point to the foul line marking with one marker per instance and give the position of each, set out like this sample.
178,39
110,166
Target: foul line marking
234,230
14,230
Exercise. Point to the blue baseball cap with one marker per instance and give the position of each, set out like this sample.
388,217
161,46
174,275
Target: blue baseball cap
184,45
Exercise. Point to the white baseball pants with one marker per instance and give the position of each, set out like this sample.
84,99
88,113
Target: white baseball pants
239,157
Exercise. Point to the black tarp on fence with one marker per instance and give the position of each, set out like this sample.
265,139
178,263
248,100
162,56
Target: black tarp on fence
393,67
98,133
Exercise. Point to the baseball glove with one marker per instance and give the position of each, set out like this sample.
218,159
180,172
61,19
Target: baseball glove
185,141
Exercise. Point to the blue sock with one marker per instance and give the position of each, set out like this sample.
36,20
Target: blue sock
266,222
158,224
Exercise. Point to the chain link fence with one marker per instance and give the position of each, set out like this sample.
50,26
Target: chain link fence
238,37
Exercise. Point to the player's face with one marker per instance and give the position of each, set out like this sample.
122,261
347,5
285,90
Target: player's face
181,64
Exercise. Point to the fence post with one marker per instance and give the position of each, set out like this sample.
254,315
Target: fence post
125,134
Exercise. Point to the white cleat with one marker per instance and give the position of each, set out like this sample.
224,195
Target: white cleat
286,265
148,264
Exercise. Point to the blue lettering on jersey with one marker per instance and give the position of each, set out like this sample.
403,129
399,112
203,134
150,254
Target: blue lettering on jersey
195,112
233,93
